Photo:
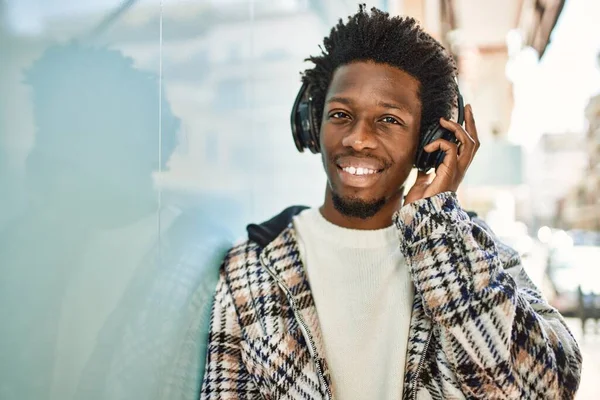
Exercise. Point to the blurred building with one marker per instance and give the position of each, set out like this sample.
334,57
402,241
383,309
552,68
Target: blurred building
555,166
483,37
580,208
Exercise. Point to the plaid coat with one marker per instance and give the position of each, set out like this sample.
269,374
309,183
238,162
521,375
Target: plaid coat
479,328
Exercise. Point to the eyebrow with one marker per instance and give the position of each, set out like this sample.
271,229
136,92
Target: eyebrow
349,102
343,100
393,105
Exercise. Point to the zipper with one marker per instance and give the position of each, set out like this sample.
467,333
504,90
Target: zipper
303,326
420,366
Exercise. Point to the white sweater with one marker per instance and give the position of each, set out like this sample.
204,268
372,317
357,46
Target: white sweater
363,294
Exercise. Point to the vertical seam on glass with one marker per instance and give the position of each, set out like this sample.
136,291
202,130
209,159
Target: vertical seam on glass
160,76
249,97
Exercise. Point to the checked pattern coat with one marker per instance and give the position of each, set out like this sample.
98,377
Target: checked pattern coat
479,328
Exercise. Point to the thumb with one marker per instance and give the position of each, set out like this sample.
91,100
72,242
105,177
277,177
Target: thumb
422,178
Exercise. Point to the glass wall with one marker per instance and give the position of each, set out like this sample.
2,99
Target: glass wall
137,139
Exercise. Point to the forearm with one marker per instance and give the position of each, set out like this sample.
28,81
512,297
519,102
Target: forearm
495,331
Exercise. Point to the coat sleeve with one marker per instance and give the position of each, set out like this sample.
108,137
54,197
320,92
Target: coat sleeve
225,375
501,337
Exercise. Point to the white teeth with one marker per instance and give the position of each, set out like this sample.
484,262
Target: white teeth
359,171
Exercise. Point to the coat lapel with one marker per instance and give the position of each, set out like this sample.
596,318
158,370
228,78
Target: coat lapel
283,255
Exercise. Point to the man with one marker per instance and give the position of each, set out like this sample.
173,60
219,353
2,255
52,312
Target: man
377,295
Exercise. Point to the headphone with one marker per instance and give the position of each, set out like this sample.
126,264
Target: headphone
305,130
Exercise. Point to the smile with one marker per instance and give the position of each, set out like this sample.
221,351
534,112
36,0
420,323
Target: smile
358,177
359,171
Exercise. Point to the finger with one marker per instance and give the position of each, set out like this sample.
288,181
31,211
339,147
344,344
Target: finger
468,146
467,142
470,125
451,150
472,130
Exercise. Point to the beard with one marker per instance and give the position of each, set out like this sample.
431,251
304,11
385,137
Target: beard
355,207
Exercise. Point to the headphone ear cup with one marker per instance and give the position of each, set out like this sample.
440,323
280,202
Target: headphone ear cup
423,160
314,145
305,130
298,120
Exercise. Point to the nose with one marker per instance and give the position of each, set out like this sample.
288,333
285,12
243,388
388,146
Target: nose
360,137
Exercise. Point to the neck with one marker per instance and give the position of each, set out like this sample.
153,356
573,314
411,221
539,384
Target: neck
382,219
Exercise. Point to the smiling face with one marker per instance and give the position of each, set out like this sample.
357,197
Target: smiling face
369,135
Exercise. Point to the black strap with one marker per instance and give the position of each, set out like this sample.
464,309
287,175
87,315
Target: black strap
265,233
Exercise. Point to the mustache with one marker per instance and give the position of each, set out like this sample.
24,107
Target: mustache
351,153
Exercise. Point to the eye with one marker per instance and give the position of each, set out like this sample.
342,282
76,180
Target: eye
339,115
391,120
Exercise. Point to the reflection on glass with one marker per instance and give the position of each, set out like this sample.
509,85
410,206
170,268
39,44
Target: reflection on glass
88,171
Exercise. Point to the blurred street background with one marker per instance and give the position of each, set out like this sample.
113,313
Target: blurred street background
138,135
